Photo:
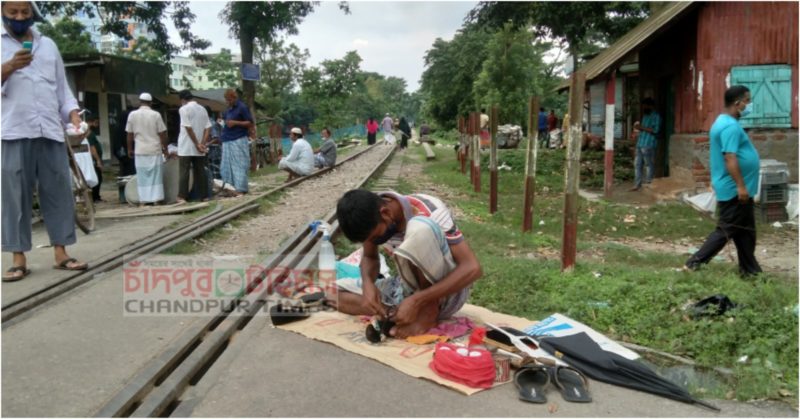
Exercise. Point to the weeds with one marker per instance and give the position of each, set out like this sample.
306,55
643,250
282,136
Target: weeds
619,289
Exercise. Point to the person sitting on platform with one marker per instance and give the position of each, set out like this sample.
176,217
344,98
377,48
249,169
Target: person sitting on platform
436,265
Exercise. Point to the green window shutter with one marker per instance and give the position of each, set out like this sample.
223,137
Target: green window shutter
771,90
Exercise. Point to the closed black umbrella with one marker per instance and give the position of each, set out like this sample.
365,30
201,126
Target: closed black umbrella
584,354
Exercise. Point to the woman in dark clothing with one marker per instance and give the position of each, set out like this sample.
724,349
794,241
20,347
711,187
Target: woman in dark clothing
96,150
406,133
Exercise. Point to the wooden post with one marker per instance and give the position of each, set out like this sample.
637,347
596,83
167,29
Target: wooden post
468,150
476,145
531,152
608,179
493,161
573,172
461,156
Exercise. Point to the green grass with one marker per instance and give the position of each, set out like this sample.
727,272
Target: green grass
624,292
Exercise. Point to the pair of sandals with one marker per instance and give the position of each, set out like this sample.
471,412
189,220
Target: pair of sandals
289,311
532,383
11,273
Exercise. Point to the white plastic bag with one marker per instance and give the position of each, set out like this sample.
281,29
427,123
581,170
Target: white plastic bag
84,161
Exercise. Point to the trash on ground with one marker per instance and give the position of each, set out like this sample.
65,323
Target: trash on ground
630,218
714,305
703,202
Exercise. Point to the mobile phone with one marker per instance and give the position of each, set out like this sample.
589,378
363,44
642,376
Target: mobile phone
27,45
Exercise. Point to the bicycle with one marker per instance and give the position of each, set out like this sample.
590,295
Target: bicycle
81,192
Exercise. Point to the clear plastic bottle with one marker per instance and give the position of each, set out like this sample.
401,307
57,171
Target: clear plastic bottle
327,259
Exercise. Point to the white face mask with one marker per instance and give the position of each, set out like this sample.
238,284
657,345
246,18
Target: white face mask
747,110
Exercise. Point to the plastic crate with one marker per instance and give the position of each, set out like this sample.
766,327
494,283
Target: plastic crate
774,172
769,213
774,194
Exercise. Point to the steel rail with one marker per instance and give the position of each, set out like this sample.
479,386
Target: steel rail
159,385
161,242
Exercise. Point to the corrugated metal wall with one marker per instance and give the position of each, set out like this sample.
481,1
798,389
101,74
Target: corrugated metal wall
733,34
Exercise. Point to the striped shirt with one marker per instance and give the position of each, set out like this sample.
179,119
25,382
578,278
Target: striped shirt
426,206
646,139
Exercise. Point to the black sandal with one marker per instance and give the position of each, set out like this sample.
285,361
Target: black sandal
14,269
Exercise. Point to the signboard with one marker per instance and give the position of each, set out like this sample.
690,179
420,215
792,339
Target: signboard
251,72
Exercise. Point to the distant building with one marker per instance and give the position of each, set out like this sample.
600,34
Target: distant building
108,43
187,69
685,56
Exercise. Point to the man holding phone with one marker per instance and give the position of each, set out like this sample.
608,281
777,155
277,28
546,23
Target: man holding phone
37,102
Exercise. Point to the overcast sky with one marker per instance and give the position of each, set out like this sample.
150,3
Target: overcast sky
390,37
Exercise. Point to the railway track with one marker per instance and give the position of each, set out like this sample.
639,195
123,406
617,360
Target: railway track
157,388
16,310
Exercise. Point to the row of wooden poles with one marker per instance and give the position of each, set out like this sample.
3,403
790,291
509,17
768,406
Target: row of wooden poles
469,155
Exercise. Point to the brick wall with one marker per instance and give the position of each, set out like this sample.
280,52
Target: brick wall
689,152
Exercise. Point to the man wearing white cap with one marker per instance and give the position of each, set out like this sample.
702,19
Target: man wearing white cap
146,129
300,161
37,101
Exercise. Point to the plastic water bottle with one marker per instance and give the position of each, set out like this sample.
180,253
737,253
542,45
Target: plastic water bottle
326,264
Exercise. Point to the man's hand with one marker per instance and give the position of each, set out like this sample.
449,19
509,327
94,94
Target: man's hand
202,148
231,123
130,153
407,311
372,299
21,59
744,197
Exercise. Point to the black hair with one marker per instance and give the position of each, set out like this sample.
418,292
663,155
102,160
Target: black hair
326,129
541,109
358,212
185,94
483,110
735,94
648,101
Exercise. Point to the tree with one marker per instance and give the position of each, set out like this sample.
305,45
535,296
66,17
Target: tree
451,69
579,24
221,70
69,35
145,50
282,66
251,21
509,75
115,15
331,88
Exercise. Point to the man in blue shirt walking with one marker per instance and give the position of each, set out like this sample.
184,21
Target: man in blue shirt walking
646,145
734,176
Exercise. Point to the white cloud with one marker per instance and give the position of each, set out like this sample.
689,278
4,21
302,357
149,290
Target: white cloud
390,37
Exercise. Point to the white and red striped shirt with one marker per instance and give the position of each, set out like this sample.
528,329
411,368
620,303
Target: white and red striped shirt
427,206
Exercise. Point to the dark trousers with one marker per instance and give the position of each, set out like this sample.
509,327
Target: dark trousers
371,138
737,221
96,189
197,164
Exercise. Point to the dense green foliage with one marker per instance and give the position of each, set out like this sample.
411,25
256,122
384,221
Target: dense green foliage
221,70
69,35
154,14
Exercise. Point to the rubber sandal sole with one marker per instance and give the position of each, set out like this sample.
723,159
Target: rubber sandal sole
25,273
531,384
571,383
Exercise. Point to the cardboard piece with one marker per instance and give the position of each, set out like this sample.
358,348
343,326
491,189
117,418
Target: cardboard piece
347,332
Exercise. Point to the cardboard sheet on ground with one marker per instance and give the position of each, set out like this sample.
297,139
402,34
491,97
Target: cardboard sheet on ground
347,332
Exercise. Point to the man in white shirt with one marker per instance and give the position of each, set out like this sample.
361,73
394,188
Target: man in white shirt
192,141
37,102
147,129
386,125
300,161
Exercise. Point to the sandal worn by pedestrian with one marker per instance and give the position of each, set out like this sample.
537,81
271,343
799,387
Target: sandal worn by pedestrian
12,276
573,384
531,383
64,265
